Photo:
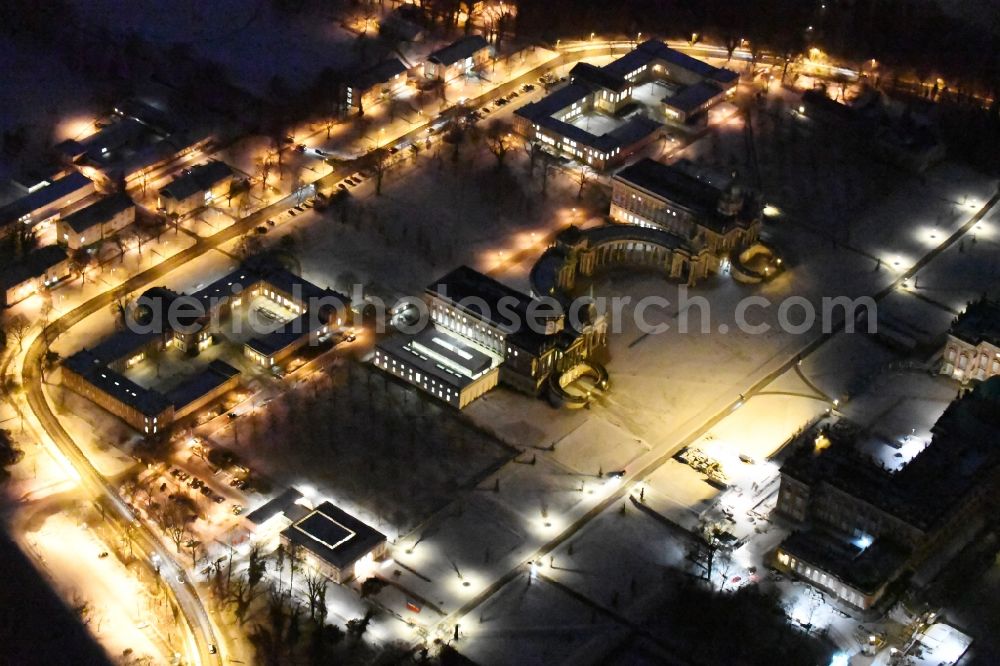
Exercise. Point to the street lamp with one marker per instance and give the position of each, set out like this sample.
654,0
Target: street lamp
591,36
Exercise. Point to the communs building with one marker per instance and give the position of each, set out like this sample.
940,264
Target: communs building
689,87
460,58
483,332
40,269
863,526
711,211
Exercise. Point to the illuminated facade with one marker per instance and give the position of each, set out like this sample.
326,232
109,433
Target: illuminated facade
717,216
373,85
41,269
96,222
196,188
972,349
460,58
691,88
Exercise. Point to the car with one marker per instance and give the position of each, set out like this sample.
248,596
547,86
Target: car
270,223
196,483
300,147
616,475
527,87
501,102
237,509
261,229
175,472
102,555
393,150
183,476
744,458
351,337
232,416
206,491
234,482
300,207
512,95
219,499
212,649
342,186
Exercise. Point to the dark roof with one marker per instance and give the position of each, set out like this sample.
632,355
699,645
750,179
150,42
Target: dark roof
481,296
962,455
691,97
671,184
274,506
554,102
458,50
378,74
334,536
93,369
98,212
865,569
199,179
33,265
441,354
43,197
215,375
980,322
598,77
287,335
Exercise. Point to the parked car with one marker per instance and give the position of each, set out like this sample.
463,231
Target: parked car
219,499
237,509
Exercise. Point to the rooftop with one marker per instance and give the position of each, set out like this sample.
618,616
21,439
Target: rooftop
33,265
440,354
483,297
216,374
98,212
44,196
458,50
866,569
92,368
198,179
334,536
694,96
274,506
598,76
377,74
963,455
980,322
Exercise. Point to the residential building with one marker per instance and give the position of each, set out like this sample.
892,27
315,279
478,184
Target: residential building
196,188
927,509
41,269
682,88
460,58
95,222
972,348
45,201
718,216
369,87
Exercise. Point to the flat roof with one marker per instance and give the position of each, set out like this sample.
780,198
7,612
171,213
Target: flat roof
334,536
672,184
598,77
274,506
98,212
458,50
440,354
198,179
44,196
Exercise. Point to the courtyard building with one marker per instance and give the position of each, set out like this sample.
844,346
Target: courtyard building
336,544
972,348
606,114
95,222
914,517
196,188
190,324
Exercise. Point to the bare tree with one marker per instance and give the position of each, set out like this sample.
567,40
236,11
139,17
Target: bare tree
316,591
380,165
17,328
500,140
